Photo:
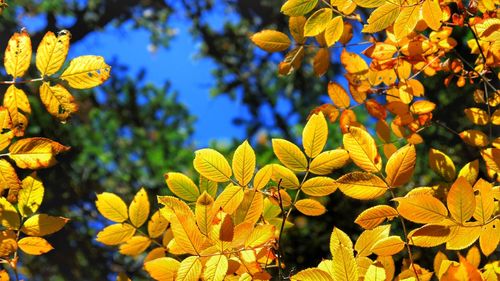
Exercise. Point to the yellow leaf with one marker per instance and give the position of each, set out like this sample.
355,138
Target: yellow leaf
474,138
4,275
52,52
344,264
30,195
189,269
381,18
406,21
34,246
432,14
334,30
311,274
157,225
250,208
229,199
319,186
187,235
290,155
328,161
135,246
298,7
317,22
35,153
375,272
58,101
491,157
261,235
296,27
430,235
17,103
381,51
286,176
209,186
139,208
362,149
215,268
8,176
271,40
374,216
368,238
164,269
262,177
86,72
422,208
495,117
353,63
326,266
461,201
463,236
42,224
116,234
338,95
9,217
243,163
422,107
401,165
321,61
474,256
363,186
111,207
442,164
438,259
476,115
388,246
212,165
490,237
310,207
370,3
17,57
339,238
182,186
314,135
470,171
485,205
204,212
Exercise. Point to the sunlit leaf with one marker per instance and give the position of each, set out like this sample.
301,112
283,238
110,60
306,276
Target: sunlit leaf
319,186
401,165
422,208
461,201
388,246
35,153
406,20
490,237
17,103
42,224
344,264
189,269
298,7
86,72
290,155
430,235
9,217
229,199
52,52
474,138
111,207
164,269
338,95
30,195
58,101
135,245
382,17
215,268
310,207
8,176
311,274
432,13
368,238
271,40
363,186
362,149
34,245
212,165
250,208
17,57
334,30
442,164
116,234
317,22
243,163
314,135
374,216
284,175
139,208
328,161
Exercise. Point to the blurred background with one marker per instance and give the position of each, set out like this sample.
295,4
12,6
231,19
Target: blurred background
184,76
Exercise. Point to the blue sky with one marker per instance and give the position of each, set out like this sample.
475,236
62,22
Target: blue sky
189,76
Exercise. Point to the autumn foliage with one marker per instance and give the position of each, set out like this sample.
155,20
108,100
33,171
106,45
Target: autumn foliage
227,223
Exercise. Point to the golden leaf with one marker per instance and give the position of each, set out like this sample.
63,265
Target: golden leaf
430,235
298,7
111,207
388,246
229,199
470,171
485,204
438,259
476,115
474,138
157,225
492,158
243,163
442,164
310,207
422,208
474,256
338,95
271,40
326,266
135,246
34,245
401,165
317,22
334,30
116,234
215,268
8,176
422,107
156,253
490,237
328,161
432,14
461,201
296,27
380,51
182,186
262,177
375,272
406,21
314,135
370,4
209,186
290,155
42,224
250,208
321,62
212,165
374,216
363,186
30,195
463,236
164,269
261,235
139,208
353,63
204,212
362,149
344,264
17,103
339,238
52,52
189,269
9,218
319,186
58,101
381,18
17,57
86,72
368,238
35,153
286,176
311,274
